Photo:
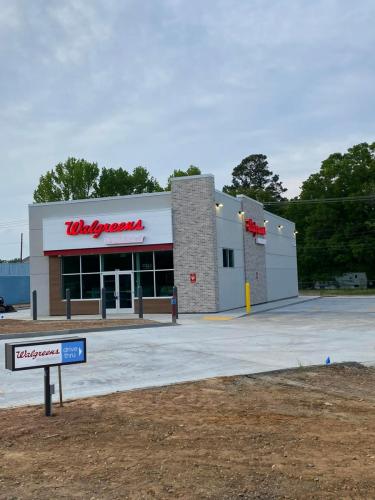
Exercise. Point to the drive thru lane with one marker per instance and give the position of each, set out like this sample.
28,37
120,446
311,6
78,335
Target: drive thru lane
302,334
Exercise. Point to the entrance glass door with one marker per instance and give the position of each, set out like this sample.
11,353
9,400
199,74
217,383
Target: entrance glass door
118,287
109,285
125,294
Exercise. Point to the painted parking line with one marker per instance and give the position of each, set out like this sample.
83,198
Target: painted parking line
217,318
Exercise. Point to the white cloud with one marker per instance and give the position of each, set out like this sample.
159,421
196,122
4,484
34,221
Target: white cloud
79,27
10,16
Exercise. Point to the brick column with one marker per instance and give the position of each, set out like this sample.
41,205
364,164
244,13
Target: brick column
195,243
255,255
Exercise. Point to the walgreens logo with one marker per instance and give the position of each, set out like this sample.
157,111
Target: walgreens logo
96,228
254,228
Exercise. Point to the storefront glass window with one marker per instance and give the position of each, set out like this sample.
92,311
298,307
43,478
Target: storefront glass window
90,263
153,271
144,261
120,261
71,265
90,286
146,281
73,282
164,260
164,283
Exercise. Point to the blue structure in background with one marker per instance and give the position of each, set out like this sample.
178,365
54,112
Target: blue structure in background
15,283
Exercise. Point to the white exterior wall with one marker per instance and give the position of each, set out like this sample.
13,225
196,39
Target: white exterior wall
229,226
39,264
281,258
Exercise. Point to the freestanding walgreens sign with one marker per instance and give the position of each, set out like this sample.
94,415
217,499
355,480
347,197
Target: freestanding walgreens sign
44,354
40,354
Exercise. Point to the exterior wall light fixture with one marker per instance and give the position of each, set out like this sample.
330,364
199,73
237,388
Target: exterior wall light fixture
241,212
219,205
265,221
280,226
295,233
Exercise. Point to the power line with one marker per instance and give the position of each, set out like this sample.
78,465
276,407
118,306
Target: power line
370,197
13,225
10,243
328,231
334,246
16,219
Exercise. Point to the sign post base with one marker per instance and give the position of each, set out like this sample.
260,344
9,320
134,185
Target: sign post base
47,393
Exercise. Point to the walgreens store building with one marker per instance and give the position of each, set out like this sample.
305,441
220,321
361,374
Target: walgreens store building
203,241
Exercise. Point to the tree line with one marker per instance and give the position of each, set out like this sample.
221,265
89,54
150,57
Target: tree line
334,212
77,179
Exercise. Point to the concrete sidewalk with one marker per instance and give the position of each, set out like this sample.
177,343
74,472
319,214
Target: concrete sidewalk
25,314
300,334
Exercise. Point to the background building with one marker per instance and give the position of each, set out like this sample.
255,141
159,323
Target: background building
15,282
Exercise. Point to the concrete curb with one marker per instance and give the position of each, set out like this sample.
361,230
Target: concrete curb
74,331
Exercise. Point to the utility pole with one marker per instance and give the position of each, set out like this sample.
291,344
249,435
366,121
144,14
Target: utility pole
21,254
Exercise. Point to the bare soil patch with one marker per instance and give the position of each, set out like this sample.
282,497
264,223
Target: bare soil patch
307,433
28,326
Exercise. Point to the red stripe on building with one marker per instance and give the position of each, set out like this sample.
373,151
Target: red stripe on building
102,250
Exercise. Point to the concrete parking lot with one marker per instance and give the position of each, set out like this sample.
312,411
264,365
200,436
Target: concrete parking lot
301,334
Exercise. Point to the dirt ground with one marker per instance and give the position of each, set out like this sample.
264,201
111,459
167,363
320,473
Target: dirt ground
307,433
26,326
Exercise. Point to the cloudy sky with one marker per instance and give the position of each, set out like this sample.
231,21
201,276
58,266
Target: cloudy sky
169,83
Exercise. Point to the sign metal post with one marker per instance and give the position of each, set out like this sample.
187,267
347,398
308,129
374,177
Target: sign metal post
47,393
60,386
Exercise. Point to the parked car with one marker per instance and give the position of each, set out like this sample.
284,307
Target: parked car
4,307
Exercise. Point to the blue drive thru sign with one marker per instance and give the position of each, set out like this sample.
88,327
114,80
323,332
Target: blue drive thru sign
73,352
43,353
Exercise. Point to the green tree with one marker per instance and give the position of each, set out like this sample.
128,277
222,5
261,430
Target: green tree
143,182
119,182
192,170
72,180
253,178
113,182
337,235
79,179
47,189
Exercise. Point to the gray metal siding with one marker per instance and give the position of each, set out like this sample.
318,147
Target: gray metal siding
230,235
281,258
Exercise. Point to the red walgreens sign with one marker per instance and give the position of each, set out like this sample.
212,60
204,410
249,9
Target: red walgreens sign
252,227
96,228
